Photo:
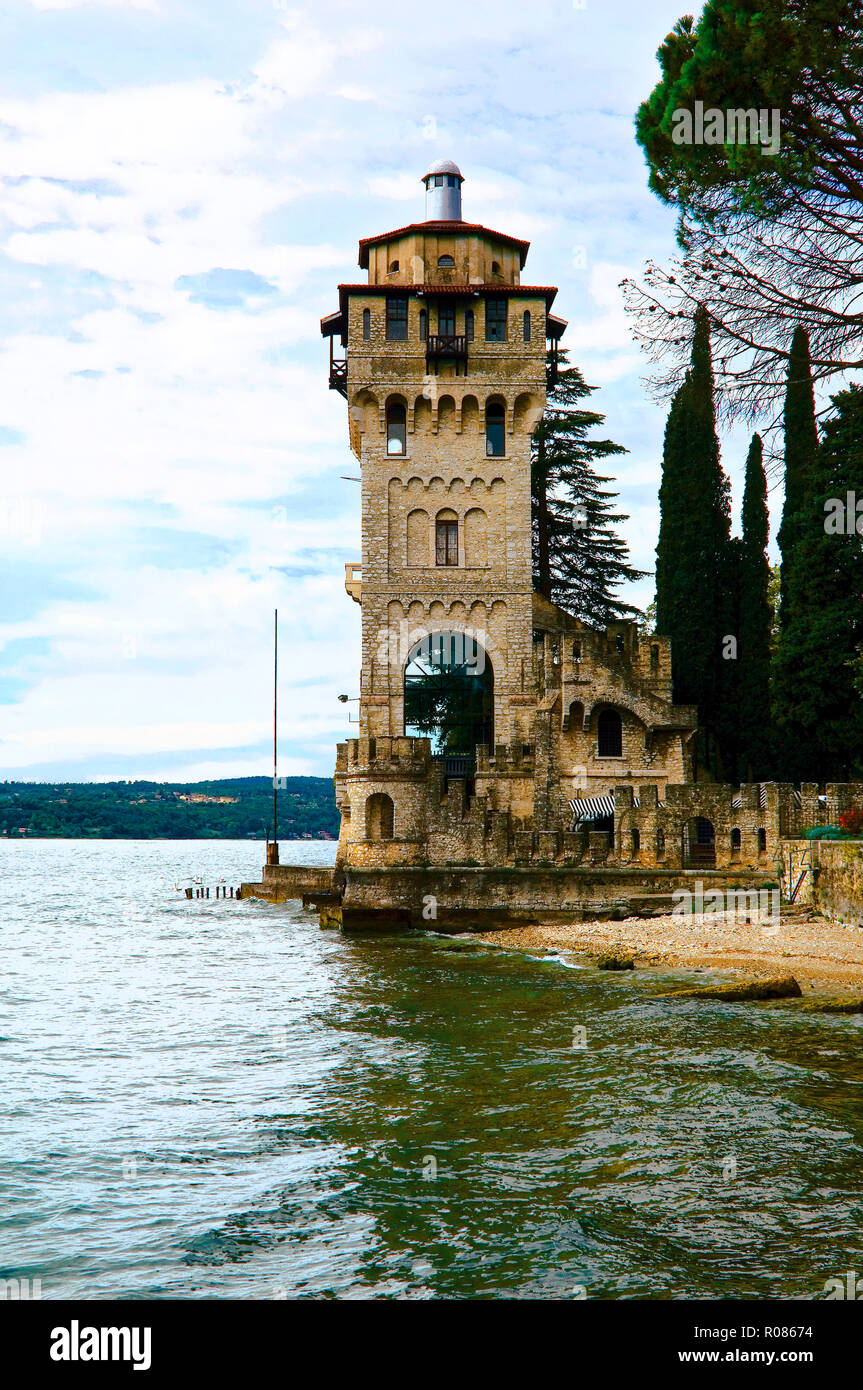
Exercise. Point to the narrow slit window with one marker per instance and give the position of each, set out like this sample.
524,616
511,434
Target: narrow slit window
525,325
495,433
367,324
446,542
609,734
396,428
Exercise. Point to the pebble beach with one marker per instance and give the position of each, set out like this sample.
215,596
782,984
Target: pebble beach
824,957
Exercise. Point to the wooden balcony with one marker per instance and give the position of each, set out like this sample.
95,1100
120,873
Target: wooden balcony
353,581
446,345
339,376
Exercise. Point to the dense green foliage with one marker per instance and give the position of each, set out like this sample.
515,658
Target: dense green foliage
796,56
694,558
156,810
818,685
579,560
754,133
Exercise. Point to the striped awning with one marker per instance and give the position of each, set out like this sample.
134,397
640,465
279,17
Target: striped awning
592,807
737,800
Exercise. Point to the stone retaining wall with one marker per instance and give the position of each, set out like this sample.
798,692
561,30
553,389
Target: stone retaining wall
833,884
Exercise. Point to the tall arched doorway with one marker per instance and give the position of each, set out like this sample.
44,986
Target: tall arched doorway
699,844
449,695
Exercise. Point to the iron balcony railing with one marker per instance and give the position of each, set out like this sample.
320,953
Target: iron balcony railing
461,766
339,377
446,345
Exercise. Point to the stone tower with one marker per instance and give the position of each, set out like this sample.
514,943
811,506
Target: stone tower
487,716
445,379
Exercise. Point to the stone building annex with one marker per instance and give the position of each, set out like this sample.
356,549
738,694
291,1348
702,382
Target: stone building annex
510,760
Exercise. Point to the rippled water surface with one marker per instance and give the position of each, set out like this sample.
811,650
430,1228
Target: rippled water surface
219,1099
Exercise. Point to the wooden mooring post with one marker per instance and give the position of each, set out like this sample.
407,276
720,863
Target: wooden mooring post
222,891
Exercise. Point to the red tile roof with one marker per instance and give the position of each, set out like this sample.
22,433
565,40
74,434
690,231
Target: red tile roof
548,292
443,227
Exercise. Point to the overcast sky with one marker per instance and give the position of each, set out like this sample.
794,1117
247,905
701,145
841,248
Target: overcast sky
185,183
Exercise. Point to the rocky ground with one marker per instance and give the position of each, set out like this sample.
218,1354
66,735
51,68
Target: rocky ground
823,957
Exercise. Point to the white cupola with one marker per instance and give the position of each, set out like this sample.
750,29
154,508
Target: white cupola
443,183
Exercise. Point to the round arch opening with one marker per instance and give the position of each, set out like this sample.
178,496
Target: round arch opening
449,694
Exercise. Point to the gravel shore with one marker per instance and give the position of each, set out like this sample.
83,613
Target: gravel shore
822,956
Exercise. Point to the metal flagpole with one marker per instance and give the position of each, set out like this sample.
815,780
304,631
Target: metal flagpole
275,724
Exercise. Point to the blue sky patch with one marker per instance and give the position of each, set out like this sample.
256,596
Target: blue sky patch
225,289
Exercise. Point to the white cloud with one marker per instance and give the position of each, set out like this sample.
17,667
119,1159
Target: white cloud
192,422
109,4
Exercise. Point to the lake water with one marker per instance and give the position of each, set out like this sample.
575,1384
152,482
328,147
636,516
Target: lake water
217,1099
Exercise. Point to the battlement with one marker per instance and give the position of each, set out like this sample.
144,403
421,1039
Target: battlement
373,756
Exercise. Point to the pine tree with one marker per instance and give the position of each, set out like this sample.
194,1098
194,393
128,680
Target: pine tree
579,560
755,624
819,666
694,559
801,446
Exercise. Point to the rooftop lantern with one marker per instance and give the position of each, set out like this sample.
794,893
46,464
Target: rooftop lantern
443,183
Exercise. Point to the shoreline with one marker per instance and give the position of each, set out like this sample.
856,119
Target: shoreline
824,957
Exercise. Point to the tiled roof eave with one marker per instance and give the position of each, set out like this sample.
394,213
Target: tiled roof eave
439,226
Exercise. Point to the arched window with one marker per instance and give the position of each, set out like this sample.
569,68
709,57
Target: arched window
446,262
609,734
735,839
495,432
396,428
495,267
449,694
660,843
654,657
525,325
468,324
636,840
424,325
446,538
394,265
762,841
380,817
367,324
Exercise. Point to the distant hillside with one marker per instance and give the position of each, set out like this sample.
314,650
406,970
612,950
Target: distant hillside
234,808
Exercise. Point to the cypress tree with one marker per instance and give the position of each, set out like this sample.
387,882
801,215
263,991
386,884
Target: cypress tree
801,446
579,559
755,624
694,558
819,666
